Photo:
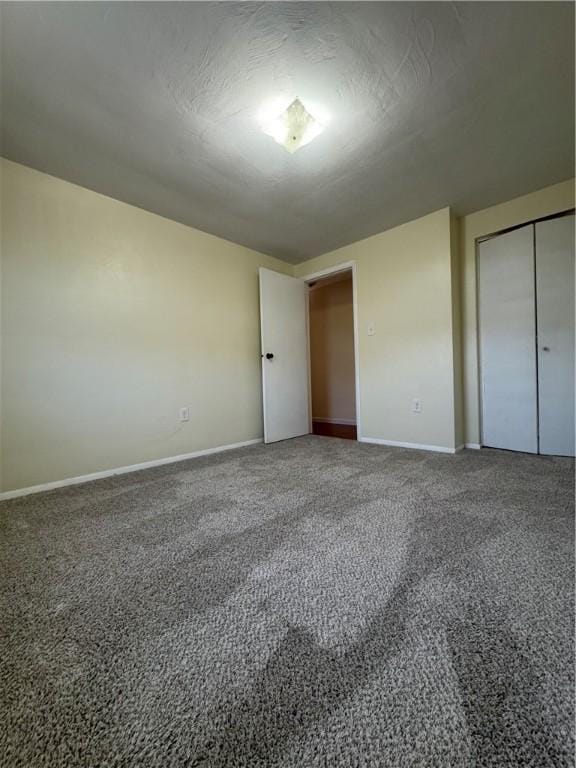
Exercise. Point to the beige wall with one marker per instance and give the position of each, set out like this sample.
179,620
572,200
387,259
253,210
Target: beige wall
332,351
113,318
545,202
457,321
405,288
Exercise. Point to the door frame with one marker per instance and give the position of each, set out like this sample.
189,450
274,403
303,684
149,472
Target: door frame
346,266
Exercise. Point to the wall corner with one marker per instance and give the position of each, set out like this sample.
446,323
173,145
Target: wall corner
456,273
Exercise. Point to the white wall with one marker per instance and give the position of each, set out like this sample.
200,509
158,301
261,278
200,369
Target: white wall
404,286
112,319
544,202
332,350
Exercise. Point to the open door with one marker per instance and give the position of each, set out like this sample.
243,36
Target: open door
284,356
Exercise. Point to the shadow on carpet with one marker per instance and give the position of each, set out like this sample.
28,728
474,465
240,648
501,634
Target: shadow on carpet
317,602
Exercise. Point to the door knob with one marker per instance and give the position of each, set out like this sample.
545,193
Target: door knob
269,356
545,349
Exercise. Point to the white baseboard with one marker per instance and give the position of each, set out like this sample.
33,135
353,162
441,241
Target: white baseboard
323,420
473,446
122,470
415,446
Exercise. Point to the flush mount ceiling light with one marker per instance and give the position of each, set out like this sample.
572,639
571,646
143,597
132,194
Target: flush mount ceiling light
292,126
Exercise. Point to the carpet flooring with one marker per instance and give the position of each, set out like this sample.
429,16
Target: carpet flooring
316,602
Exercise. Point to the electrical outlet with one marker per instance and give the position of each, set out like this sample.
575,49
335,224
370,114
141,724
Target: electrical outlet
185,414
416,405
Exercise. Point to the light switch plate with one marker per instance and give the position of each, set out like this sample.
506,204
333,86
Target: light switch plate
371,329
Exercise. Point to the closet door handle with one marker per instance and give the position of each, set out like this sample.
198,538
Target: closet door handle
545,349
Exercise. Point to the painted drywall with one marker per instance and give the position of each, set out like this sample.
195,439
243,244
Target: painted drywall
331,319
457,335
544,202
113,319
404,288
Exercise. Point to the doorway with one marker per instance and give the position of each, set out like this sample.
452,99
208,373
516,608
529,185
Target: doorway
332,355
286,361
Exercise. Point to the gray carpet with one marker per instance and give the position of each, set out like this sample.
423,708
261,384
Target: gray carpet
317,602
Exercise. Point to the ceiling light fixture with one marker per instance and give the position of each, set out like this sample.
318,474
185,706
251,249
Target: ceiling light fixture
292,126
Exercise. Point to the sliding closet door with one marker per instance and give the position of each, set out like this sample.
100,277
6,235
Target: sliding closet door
555,309
507,341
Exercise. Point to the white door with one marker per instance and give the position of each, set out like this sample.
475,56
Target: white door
507,322
555,311
283,328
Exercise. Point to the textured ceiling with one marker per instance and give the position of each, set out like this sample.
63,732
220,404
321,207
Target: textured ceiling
432,104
